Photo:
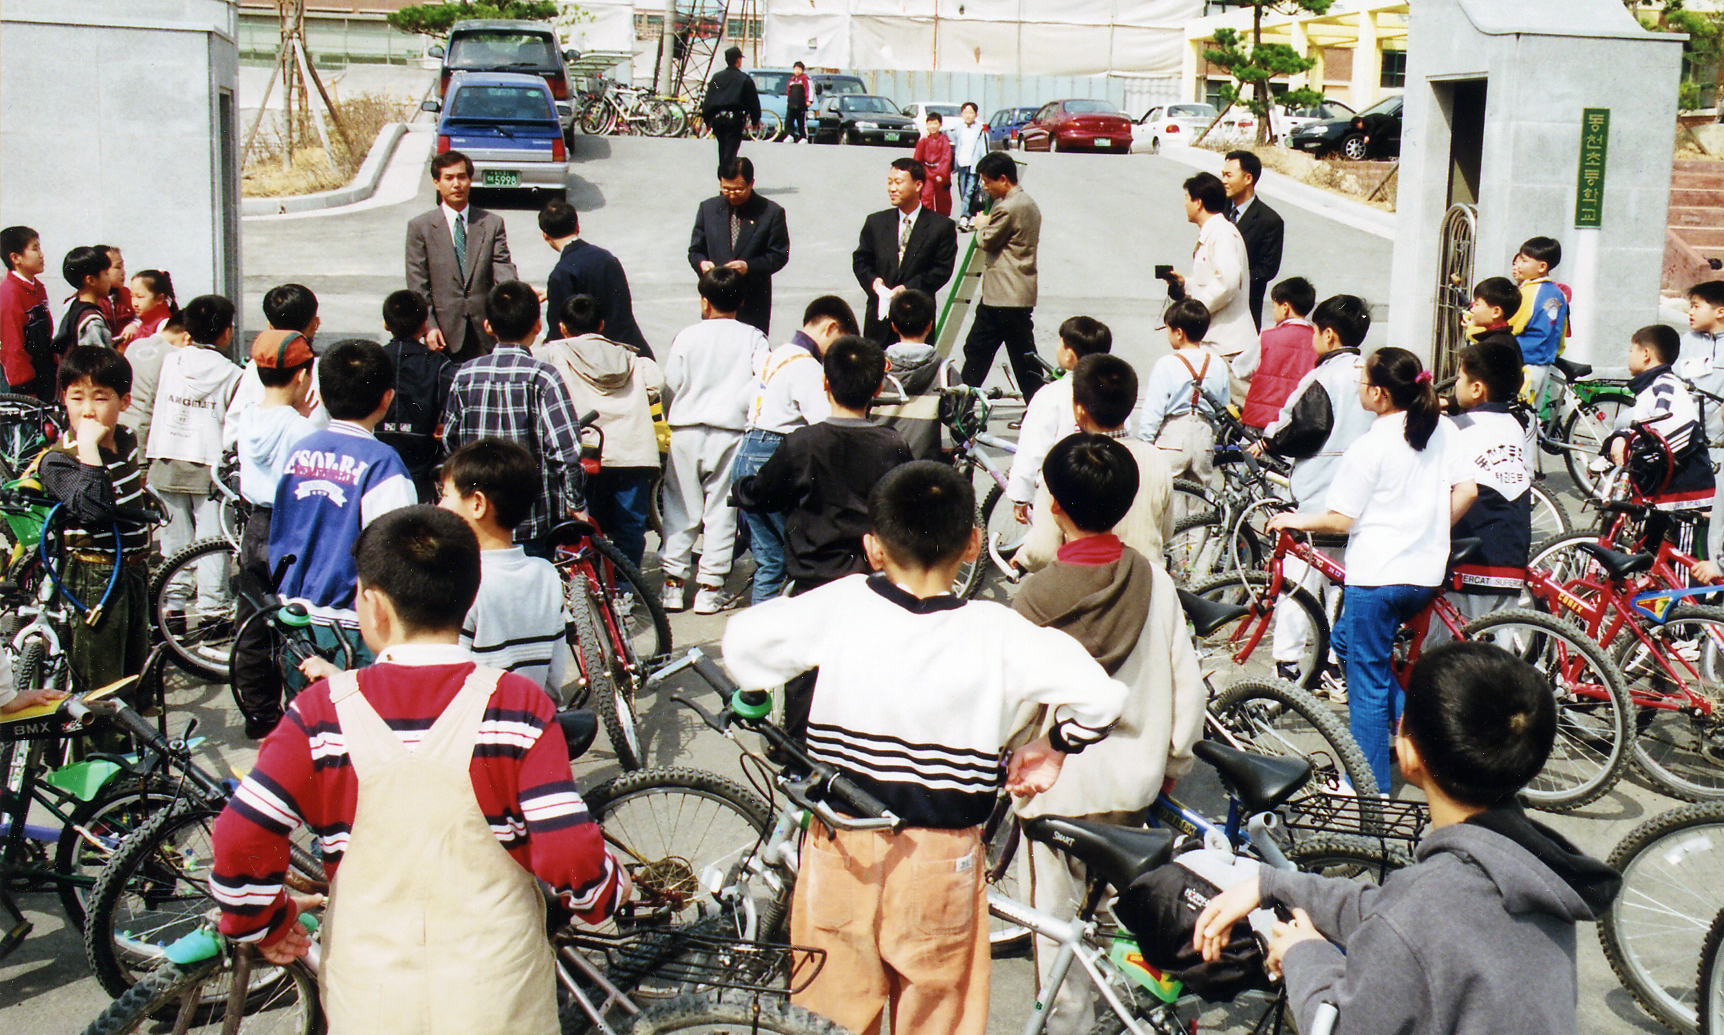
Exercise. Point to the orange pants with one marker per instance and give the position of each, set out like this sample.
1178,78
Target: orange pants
903,919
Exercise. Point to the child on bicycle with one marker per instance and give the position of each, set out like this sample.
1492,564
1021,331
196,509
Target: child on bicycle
1104,391
1479,934
1125,611
902,916
518,621
440,792
1171,410
1394,495
1672,437
94,471
1540,322
1491,443
1049,416
1319,421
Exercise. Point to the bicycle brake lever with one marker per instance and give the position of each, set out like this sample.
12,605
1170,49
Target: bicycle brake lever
718,724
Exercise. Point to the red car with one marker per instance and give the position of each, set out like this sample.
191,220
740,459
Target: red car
1079,124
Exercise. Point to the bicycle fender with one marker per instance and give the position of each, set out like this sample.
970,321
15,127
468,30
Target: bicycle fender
83,780
200,945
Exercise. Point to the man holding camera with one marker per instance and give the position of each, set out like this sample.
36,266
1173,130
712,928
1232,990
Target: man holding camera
1220,271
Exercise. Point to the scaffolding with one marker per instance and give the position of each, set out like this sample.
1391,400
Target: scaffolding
700,32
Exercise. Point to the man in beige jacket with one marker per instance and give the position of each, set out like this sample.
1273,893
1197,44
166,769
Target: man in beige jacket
1008,234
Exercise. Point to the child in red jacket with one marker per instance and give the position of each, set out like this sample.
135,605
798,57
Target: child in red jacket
934,151
26,326
1283,354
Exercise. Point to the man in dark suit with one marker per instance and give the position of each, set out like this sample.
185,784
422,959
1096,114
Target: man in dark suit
907,246
455,254
1259,224
746,232
731,104
586,269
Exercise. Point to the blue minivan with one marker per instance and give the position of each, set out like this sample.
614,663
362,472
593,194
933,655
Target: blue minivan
506,122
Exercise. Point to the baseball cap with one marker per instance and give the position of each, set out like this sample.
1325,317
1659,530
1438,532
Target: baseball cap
281,350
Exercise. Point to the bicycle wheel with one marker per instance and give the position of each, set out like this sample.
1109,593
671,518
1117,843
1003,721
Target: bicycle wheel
1672,870
95,831
1002,837
1354,858
730,1012
1709,990
1002,534
674,828
154,890
1549,520
287,1007
1275,717
1191,497
596,117
971,573
1249,589
199,637
612,698
1593,711
676,116
1679,749
1197,549
771,126
1587,428
645,625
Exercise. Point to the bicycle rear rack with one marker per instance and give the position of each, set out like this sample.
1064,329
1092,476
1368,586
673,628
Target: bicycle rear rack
1380,819
675,959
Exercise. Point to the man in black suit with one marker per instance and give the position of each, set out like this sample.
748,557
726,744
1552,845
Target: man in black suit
907,246
1259,224
746,232
731,104
586,269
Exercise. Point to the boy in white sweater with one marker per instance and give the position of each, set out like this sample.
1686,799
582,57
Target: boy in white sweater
709,377
1048,418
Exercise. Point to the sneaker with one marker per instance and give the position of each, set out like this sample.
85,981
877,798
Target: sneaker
1288,670
675,594
1333,684
709,600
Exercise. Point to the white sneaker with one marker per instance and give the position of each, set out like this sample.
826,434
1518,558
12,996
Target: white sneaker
709,600
675,595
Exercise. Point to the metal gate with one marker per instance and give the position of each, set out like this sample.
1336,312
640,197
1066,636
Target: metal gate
1454,288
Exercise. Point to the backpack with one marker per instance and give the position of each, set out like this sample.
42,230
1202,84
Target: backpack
78,314
1161,907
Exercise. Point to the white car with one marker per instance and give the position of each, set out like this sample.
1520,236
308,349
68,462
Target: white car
951,113
1179,125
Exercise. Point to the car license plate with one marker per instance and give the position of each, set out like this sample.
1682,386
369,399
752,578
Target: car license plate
1103,142
502,178
891,138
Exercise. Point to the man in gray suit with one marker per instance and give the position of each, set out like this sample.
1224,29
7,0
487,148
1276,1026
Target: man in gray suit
455,254
1008,235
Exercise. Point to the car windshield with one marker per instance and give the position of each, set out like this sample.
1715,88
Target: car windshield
842,86
877,105
500,104
770,82
1025,114
1192,111
490,50
1091,108
1386,106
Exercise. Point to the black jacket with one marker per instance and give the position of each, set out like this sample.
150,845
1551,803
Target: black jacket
1263,230
422,380
820,478
764,244
731,90
587,269
929,256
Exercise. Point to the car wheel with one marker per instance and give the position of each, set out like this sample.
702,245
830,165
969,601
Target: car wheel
1354,148
1053,144
1154,145
850,137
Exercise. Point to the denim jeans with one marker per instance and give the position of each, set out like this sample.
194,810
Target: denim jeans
1364,637
620,500
765,531
963,191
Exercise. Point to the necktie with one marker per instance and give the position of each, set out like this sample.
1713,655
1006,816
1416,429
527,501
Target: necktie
904,225
1233,213
735,231
461,244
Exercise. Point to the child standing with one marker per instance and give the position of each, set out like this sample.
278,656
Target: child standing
517,622
117,308
1282,355
1482,927
1394,495
1663,402
268,432
969,144
1049,415
287,307
798,91
934,151
94,473
26,328
1495,301
439,789
195,386
902,916
1171,412
89,271
1541,322
1491,444
1704,366
422,380
707,380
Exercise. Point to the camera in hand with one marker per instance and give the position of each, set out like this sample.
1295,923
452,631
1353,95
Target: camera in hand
1164,273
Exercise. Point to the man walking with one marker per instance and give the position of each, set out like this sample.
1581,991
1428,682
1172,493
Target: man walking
731,105
1008,235
586,269
908,246
746,232
1220,272
1258,224
455,254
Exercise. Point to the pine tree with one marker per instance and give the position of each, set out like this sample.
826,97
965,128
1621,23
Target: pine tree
1254,66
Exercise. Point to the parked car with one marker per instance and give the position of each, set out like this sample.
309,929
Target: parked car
501,45
917,112
1374,132
1180,124
862,119
1078,124
1297,118
506,122
1004,125
772,86
827,82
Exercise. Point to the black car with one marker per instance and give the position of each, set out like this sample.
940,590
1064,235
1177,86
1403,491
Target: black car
1374,132
862,119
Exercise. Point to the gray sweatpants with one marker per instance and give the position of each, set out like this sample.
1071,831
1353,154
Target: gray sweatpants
696,491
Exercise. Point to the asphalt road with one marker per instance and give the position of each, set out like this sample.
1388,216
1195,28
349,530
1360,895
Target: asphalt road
1107,221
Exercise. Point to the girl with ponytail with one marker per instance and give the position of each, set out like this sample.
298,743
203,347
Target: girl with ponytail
1395,493
153,300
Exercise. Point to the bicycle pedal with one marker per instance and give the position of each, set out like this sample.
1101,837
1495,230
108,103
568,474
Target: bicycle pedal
15,937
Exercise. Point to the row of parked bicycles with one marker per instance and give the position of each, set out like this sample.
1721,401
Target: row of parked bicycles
607,107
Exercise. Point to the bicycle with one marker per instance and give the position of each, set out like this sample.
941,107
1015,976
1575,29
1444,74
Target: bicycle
1709,988
966,411
612,107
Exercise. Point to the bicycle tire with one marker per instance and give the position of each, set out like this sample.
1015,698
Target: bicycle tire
1190,496
1681,753
668,825
1709,985
140,1004
651,631
1355,856
612,698
770,128
596,117
1000,847
1549,521
154,999
970,574
1196,549
1672,870
1265,716
729,1011
678,118
119,809
27,670
207,650
1593,709
1587,426
1249,589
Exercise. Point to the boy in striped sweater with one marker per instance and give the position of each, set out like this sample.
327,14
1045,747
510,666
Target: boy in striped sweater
412,773
902,916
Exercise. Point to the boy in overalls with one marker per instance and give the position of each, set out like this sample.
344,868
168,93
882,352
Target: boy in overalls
439,792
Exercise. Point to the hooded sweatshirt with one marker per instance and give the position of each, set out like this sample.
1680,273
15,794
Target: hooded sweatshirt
612,380
1098,591
266,436
1478,937
192,395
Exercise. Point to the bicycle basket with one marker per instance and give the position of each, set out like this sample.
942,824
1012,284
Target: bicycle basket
700,956
1323,812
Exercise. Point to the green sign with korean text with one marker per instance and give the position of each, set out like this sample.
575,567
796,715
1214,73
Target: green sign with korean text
1594,138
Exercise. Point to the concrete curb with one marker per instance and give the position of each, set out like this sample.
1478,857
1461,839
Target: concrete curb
363,186
1355,214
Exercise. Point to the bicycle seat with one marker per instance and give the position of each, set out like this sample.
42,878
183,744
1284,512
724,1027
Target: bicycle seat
1572,370
580,726
1205,615
1463,550
1617,565
1260,782
1119,855
573,530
